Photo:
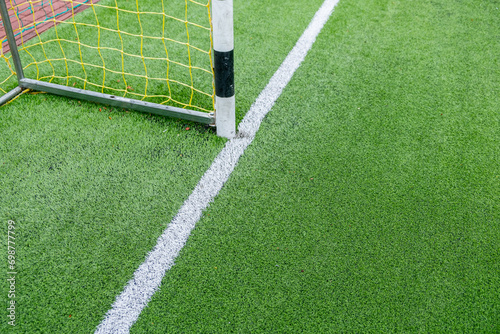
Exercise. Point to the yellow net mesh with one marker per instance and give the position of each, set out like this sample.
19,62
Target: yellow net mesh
153,50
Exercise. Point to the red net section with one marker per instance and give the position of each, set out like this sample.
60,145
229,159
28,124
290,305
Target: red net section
28,17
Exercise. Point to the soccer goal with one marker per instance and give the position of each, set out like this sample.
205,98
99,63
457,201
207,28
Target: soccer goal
167,57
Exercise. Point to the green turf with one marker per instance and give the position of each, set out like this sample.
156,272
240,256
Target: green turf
90,192
369,200
91,188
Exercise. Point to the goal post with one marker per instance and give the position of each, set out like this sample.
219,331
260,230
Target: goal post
223,41
172,58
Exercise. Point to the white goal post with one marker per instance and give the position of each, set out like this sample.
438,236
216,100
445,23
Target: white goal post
223,40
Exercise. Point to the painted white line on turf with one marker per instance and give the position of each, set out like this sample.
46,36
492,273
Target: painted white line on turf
147,278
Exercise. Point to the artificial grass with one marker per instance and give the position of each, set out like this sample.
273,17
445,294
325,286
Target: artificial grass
90,191
369,200
91,187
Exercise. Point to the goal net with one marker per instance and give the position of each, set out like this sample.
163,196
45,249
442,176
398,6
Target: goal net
149,55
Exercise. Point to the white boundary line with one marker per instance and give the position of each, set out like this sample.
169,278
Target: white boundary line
147,278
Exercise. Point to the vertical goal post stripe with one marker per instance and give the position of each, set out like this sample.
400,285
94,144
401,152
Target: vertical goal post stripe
148,277
224,73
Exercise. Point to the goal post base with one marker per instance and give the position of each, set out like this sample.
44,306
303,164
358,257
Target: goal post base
10,95
225,121
118,101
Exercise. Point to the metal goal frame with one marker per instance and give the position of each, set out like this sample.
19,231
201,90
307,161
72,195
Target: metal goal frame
223,59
